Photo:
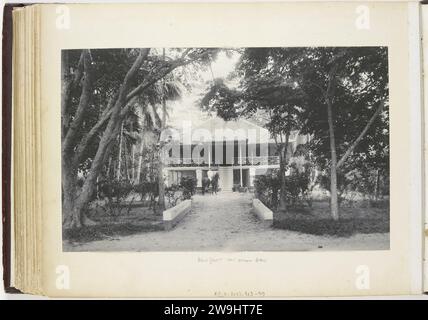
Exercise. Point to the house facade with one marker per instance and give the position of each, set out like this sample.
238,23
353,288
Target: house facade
237,150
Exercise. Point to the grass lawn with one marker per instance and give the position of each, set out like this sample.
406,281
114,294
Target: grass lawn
139,219
359,218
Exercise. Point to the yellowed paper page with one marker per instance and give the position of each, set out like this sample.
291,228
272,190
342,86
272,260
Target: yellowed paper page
229,273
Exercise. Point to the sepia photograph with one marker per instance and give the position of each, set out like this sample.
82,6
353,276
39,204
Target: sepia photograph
225,149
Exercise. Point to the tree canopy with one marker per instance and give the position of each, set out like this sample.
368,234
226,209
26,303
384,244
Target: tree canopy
339,96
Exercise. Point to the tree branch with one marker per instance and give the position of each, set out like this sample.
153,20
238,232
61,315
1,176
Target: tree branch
362,134
323,91
125,110
83,103
160,74
111,130
79,70
81,149
69,82
331,76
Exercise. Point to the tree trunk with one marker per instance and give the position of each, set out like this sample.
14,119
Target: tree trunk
161,181
108,168
68,82
133,162
68,133
126,165
65,92
72,205
140,162
282,164
334,205
89,184
377,187
119,156
110,133
69,192
274,198
161,201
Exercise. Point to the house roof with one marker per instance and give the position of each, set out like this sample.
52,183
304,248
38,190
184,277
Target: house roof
217,129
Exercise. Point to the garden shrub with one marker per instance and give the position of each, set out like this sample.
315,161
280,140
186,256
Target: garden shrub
173,195
115,189
147,188
103,231
188,185
116,192
297,186
357,183
267,188
327,226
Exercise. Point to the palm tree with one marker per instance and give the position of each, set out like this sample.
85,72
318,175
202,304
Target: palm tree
152,112
150,125
130,133
168,90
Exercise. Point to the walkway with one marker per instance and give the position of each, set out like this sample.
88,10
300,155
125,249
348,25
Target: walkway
223,222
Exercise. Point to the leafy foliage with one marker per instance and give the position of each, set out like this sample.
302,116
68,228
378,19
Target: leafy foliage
287,89
115,193
223,99
267,188
104,92
115,190
297,186
188,185
147,188
340,228
173,195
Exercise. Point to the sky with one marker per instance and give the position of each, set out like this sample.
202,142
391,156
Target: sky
187,108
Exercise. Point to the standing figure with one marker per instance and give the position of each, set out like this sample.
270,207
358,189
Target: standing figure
205,184
214,183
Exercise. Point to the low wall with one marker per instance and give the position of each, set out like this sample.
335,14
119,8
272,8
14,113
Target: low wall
173,215
262,212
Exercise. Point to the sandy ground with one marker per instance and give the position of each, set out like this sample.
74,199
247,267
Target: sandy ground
223,222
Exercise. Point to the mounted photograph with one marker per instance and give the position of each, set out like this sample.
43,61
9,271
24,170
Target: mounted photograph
225,149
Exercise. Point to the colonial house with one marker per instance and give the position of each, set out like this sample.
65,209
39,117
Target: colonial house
238,150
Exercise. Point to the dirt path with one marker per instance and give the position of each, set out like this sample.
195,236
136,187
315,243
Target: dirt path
223,222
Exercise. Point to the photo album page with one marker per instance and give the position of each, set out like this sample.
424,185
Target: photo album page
240,150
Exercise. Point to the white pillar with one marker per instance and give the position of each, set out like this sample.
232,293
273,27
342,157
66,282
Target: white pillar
240,164
166,177
252,174
209,157
199,178
226,178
